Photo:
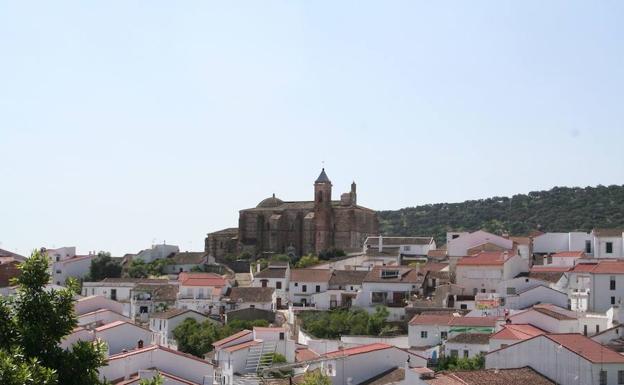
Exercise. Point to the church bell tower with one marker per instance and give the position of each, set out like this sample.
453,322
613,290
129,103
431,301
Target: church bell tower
323,212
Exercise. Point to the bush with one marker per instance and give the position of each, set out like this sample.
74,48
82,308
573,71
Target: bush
455,363
333,324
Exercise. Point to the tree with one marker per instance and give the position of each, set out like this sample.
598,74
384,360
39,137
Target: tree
33,323
156,380
333,324
139,269
454,363
377,320
315,377
104,266
307,261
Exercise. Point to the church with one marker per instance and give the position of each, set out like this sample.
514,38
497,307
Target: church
299,227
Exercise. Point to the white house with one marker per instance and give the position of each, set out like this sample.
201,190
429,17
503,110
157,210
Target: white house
536,295
359,364
146,299
125,366
251,297
277,276
461,244
600,283
118,289
156,252
64,263
405,248
390,286
547,243
513,333
564,358
202,292
343,288
564,258
163,324
608,243
555,319
484,272
304,283
467,345
118,335
185,261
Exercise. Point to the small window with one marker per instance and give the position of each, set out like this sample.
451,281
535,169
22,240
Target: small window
466,353
597,329
281,336
612,283
588,246
296,284
407,248
603,377
423,334
549,260
585,330
483,290
252,306
444,335
620,377
318,288
278,284
609,247
463,306
612,300
304,288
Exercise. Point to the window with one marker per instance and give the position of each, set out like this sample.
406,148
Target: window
304,288
58,272
609,247
612,283
296,284
482,290
612,300
351,287
597,329
378,297
466,353
454,236
444,335
585,330
318,288
389,273
278,284
114,294
252,306
511,290
620,377
603,377
407,248
281,336
588,246
423,334
549,260
454,353
463,306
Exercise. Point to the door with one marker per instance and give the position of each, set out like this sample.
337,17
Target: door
279,303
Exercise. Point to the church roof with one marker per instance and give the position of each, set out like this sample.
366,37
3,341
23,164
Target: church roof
322,178
270,202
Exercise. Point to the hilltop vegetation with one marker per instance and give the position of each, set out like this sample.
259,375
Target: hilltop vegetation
558,209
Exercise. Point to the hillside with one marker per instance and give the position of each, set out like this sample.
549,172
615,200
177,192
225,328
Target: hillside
558,209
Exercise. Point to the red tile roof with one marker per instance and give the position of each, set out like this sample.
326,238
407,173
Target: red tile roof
310,275
244,345
549,269
517,332
305,355
201,279
112,325
602,267
358,350
431,319
450,320
231,338
486,258
586,348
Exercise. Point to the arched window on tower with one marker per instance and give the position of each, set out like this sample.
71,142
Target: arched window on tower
320,197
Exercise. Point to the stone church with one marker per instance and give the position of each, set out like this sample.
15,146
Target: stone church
300,227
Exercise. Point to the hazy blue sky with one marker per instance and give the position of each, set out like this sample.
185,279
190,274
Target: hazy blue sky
122,122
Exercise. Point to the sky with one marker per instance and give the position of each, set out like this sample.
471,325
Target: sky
125,123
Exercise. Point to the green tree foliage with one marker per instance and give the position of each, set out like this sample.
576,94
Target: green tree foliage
331,254
104,266
139,269
33,323
307,261
333,324
315,377
156,380
196,338
558,209
455,363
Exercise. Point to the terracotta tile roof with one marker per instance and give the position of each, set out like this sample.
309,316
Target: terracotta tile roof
398,241
272,272
201,279
310,275
473,321
231,338
549,269
391,376
586,348
347,277
251,294
602,267
555,312
305,355
546,276
405,275
608,232
111,325
486,258
358,350
569,254
155,347
521,240
431,319
132,280
159,292
517,332
519,376
470,338
437,253
243,345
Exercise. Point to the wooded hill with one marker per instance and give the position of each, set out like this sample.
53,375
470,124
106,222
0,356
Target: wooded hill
559,209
